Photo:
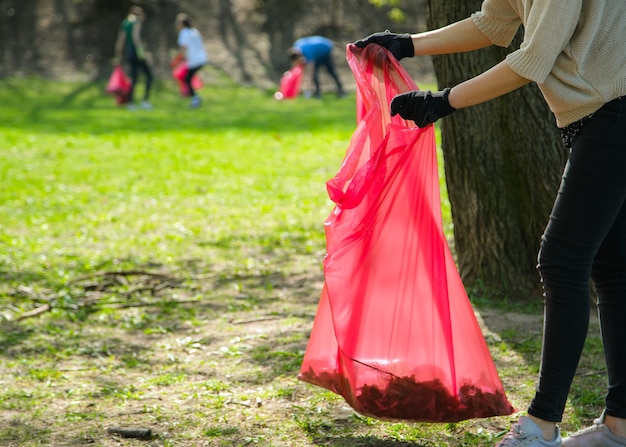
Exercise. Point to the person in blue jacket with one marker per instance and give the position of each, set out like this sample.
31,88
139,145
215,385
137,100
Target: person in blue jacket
316,52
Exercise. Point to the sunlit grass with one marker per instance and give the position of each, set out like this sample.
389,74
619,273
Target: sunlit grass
88,185
228,203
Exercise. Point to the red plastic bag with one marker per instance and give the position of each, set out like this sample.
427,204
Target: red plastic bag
290,83
179,72
395,333
119,85
176,60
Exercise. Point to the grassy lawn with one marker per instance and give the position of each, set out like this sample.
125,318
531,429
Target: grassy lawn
161,269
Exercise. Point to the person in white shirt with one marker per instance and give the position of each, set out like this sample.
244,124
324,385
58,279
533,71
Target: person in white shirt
191,49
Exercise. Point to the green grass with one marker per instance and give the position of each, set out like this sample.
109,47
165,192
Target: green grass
172,182
179,252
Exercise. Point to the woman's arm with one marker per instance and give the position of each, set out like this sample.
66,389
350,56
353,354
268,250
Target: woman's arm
137,39
425,107
497,81
458,37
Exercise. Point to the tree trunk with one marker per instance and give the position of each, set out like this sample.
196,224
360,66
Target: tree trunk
281,33
503,162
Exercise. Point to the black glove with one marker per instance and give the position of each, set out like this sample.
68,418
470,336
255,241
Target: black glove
400,45
423,107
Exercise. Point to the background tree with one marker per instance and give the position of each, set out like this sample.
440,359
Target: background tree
503,161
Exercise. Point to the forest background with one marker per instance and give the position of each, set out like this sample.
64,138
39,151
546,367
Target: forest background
247,39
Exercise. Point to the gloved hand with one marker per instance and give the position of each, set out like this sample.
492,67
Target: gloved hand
400,45
423,107
140,54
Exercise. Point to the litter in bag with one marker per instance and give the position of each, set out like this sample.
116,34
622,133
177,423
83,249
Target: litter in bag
290,83
179,72
395,333
119,85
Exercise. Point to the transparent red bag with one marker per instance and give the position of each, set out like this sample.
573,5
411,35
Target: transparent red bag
290,83
395,333
179,72
118,85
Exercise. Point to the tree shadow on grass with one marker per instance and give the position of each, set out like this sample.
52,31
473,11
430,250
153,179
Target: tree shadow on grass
16,431
12,334
81,110
20,277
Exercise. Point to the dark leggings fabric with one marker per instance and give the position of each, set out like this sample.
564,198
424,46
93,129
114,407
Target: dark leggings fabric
327,62
189,76
136,65
585,239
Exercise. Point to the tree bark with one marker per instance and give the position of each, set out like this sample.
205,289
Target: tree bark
503,162
281,33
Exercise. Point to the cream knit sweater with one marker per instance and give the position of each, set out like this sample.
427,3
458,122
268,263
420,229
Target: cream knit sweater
575,50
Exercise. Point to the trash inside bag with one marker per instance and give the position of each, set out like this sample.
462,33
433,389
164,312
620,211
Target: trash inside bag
395,333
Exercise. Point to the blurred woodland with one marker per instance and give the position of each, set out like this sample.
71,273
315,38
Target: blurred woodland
248,39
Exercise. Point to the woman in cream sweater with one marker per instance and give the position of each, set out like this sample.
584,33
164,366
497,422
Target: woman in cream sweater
574,51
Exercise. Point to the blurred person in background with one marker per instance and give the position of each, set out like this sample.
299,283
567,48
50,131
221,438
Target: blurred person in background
316,52
129,49
191,49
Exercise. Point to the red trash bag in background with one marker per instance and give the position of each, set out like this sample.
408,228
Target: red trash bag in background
395,333
119,85
290,83
179,72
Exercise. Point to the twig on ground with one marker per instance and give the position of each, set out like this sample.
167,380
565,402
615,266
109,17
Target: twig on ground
255,320
121,273
33,313
120,305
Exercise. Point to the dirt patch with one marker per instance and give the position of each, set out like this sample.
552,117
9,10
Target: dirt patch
493,322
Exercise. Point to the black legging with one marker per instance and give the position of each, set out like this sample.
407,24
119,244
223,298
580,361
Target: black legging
136,65
189,76
325,61
586,239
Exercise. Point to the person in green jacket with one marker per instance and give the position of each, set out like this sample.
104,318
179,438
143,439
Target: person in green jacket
129,48
574,51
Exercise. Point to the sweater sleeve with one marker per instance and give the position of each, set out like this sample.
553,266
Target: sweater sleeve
498,21
548,29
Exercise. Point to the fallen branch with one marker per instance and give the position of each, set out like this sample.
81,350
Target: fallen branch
590,373
121,273
33,313
95,290
245,404
255,320
119,305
